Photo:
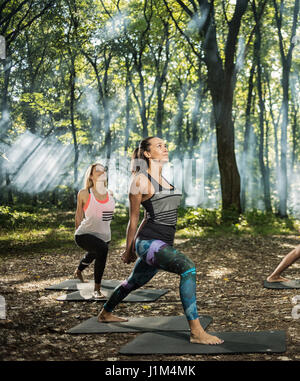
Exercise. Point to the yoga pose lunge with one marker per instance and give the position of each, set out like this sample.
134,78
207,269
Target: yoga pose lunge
287,261
153,241
95,208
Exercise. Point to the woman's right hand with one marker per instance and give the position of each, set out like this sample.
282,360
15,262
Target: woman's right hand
128,256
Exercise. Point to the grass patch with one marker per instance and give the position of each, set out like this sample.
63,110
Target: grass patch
35,229
193,222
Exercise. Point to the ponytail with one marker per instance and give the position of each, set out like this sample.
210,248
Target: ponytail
139,162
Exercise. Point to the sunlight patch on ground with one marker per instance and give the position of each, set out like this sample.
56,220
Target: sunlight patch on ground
219,273
288,246
33,285
15,278
179,241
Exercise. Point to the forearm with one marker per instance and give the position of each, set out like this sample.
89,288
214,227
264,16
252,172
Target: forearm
140,227
78,220
130,234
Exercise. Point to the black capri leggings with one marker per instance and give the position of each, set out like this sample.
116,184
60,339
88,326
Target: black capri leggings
96,250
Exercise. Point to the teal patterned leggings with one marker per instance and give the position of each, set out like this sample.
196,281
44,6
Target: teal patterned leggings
153,256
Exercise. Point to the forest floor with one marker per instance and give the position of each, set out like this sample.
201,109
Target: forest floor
230,274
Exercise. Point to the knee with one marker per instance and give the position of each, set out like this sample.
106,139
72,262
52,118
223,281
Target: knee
129,285
188,268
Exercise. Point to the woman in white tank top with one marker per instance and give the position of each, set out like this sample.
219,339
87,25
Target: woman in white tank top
94,212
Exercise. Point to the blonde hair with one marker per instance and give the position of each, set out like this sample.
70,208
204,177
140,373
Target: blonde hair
88,182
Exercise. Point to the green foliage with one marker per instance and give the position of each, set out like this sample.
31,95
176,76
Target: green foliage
119,46
198,217
11,218
197,221
32,229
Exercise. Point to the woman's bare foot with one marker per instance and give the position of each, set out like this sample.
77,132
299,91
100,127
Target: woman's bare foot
97,295
78,274
276,279
204,338
108,317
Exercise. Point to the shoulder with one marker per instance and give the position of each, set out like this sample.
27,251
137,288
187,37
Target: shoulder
139,179
83,194
140,185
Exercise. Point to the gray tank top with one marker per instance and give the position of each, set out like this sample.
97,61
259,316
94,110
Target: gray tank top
161,209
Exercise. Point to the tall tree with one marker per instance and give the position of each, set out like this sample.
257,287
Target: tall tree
247,135
221,74
286,62
262,152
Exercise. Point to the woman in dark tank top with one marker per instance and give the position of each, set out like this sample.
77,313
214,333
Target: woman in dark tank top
153,240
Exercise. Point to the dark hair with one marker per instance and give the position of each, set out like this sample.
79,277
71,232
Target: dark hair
139,160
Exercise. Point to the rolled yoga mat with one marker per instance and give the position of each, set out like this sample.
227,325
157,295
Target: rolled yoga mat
178,343
142,324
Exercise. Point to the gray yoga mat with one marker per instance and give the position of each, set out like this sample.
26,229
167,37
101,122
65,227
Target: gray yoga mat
76,284
178,343
293,283
141,295
142,324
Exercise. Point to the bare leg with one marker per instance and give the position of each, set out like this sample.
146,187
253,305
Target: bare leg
108,317
199,336
288,260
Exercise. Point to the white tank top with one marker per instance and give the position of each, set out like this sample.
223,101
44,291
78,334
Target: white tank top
98,216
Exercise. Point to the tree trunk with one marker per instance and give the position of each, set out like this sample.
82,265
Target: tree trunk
294,136
160,79
283,145
245,173
160,108
196,108
143,102
72,119
286,61
4,119
128,121
221,82
106,107
10,199
263,169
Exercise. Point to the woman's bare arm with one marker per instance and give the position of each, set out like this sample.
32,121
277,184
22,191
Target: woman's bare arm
135,199
79,215
137,233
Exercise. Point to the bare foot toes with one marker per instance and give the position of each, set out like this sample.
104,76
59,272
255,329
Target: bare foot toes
205,339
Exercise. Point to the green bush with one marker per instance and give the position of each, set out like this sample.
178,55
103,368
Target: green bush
228,222
198,217
11,218
257,217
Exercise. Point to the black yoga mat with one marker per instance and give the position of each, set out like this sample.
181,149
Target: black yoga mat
142,324
178,343
293,283
76,284
141,295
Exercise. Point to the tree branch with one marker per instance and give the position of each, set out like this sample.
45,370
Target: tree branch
181,31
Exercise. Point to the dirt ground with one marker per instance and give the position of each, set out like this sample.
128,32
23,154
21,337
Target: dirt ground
230,273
